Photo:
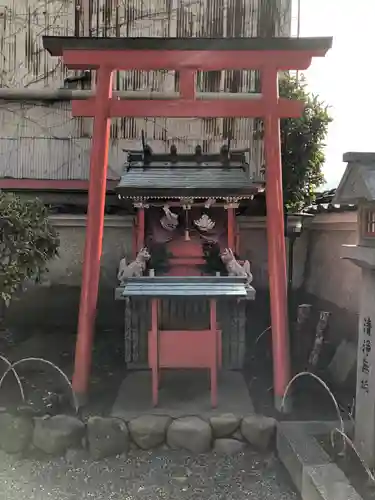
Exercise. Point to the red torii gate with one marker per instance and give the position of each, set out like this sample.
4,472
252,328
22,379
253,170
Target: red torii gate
187,56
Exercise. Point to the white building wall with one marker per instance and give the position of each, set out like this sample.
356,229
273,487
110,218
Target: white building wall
43,141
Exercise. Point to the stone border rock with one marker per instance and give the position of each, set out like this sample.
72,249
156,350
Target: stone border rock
311,469
101,437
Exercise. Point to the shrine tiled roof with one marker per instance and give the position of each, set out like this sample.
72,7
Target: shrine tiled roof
181,181
172,175
324,203
192,286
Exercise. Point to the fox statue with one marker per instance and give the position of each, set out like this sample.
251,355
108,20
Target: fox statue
134,269
234,268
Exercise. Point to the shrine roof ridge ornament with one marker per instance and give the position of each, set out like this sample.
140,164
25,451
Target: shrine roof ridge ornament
234,157
55,45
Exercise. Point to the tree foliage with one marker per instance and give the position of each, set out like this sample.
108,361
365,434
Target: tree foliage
27,242
302,144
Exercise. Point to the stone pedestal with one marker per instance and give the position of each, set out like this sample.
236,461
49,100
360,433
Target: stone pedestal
190,314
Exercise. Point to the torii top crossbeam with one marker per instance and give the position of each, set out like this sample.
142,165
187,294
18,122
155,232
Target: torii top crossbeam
187,56
277,50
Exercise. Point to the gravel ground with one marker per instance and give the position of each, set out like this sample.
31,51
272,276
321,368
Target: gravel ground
153,475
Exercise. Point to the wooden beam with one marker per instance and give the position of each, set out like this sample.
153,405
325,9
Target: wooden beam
202,60
285,108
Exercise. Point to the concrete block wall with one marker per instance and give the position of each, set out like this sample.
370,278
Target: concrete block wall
253,246
67,268
330,282
54,303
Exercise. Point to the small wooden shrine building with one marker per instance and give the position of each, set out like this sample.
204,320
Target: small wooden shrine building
185,219
186,56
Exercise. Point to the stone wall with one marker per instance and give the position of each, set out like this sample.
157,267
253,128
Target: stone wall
101,437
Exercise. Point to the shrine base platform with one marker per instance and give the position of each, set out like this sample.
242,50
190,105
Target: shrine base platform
182,393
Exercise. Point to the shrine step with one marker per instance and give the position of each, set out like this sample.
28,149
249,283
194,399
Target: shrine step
182,393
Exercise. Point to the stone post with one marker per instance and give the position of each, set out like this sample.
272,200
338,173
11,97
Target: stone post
364,436
357,187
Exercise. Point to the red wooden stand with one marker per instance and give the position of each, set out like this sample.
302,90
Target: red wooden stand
184,349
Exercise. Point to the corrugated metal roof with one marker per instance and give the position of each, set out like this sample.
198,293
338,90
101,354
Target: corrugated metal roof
53,158
172,286
65,158
180,181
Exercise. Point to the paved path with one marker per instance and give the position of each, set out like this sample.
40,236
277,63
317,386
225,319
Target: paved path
145,476
181,393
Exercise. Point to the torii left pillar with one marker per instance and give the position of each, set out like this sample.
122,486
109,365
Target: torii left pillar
94,234
186,56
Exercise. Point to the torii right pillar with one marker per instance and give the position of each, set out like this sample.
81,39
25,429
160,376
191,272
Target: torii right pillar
275,238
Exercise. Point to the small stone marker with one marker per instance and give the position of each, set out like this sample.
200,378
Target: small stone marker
343,362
